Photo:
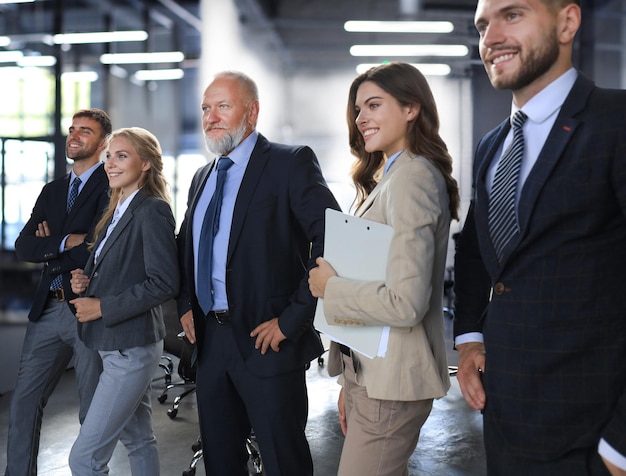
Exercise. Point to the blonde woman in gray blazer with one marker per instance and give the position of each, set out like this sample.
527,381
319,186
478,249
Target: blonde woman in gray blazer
403,178
132,270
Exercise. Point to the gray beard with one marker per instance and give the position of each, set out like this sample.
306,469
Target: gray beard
226,144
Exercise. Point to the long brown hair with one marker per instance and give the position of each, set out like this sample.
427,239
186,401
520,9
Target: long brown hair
153,183
408,86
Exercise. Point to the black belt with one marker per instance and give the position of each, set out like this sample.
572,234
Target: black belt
58,294
222,317
345,350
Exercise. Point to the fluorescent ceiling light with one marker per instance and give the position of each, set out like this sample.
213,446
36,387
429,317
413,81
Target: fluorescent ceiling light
10,56
5,41
159,74
99,37
399,26
118,71
79,76
15,1
37,61
409,50
130,58
427,69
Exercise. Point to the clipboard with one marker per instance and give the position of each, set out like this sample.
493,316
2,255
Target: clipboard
356,248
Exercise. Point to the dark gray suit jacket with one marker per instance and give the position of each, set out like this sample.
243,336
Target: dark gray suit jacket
136,272
555,327
50,206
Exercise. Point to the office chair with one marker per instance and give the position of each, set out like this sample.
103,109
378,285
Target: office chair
186,371
255,465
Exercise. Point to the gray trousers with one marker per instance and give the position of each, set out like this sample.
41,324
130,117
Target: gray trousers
120,410
48,347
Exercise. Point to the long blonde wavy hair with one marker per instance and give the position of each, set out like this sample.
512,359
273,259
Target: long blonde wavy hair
153,182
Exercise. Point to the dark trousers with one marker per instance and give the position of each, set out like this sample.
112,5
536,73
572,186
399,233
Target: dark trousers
232,401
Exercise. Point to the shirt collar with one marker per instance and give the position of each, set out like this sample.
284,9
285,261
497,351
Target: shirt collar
543,104
240,155
390,161
123,205
86,174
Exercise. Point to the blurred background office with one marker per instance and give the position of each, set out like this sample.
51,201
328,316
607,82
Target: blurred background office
146,63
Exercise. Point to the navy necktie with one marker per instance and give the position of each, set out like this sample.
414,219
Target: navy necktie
57,282
73,194
209,230
502,209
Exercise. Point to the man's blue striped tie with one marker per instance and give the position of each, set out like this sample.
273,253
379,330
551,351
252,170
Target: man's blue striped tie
502,204
57,282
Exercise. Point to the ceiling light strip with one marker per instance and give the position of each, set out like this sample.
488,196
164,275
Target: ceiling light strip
398,26
409,50
159,74
99,37
142,58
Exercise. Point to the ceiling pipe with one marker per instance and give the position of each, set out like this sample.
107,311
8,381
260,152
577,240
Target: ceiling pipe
182,13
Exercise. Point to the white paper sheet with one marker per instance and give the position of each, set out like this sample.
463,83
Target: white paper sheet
356,248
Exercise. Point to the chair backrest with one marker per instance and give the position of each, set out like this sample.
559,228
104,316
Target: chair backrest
188,363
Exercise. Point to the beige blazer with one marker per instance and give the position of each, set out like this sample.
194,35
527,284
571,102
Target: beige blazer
413,199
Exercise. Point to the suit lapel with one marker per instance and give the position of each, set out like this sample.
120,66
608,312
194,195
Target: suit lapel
125,220
89,187
486,152
403,157
258,161
197,188
552,151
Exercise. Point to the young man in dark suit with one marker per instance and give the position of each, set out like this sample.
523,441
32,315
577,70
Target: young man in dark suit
540,326
57,235
252,317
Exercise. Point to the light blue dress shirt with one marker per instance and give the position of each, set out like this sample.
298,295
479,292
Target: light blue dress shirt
240,157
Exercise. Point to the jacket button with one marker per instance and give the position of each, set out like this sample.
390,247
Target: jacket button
499,289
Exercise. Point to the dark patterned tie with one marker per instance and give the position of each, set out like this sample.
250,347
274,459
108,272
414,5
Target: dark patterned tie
502,210
57,282
73,194
210,226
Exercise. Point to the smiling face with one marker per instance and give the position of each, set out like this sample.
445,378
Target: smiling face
229,115
381,119
124,166
524,44
85,140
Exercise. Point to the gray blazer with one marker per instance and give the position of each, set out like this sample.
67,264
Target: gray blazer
135,273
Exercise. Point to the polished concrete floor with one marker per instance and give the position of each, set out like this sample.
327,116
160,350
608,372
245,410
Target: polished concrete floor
450,443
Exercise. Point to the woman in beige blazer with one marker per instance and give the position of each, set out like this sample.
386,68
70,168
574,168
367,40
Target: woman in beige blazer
403,178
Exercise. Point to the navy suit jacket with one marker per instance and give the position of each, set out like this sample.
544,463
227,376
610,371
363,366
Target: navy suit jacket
551,314
50,206
277,233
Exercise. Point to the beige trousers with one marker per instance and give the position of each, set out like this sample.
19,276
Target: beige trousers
382,434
